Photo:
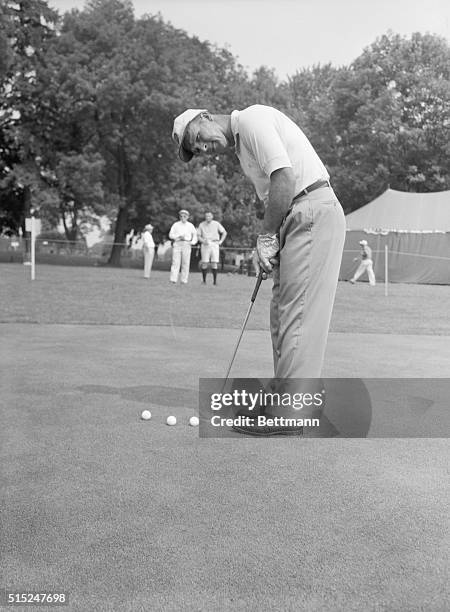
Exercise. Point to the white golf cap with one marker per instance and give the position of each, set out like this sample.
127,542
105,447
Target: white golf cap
179,129
184,211
149,226
363,242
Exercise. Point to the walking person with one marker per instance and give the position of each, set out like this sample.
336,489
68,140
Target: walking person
366,264
183,235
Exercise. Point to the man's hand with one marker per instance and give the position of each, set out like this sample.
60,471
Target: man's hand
267,248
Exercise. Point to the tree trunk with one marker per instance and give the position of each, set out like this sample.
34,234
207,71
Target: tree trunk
70,232
119,237
124,184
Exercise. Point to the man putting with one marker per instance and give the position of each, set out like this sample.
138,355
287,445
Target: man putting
211,235
304,227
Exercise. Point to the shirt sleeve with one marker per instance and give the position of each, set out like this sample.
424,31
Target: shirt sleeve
194,239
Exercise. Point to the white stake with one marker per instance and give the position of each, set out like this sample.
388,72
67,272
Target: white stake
386,269
33,247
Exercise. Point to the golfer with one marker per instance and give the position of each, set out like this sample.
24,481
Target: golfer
304,225
184,236
366,264
211,235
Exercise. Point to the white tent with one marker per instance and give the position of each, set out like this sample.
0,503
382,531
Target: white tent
416,229
400,210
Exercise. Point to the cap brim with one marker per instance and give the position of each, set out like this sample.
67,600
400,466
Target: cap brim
184,154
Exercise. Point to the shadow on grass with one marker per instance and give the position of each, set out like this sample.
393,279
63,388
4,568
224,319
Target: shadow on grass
154,394
348,415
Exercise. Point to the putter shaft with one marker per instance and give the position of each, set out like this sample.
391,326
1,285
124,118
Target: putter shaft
252,300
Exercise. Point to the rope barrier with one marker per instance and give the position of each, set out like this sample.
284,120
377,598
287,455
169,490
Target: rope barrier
392,252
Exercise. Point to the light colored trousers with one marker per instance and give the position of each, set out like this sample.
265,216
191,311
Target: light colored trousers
366,265
148,261
181,257
311,244
210,254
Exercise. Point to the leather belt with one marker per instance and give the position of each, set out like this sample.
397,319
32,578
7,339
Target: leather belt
316,185
313,187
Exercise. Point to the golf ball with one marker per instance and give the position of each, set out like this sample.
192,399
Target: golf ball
146,415
171,420
193,421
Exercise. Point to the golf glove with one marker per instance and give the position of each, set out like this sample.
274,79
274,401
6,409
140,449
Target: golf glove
267,247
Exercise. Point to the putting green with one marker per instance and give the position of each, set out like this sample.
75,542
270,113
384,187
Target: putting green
132,515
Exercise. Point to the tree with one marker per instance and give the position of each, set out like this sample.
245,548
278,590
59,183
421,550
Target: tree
130,79
391,110
26,28
80,189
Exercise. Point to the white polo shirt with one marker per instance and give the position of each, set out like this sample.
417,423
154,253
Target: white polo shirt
267,140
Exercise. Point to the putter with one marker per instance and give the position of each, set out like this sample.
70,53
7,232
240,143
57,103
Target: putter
252,300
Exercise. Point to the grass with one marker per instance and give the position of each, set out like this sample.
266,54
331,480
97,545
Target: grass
114,296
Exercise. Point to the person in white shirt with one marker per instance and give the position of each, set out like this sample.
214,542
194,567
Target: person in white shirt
366,264
148,247
211,235
304,227
183,235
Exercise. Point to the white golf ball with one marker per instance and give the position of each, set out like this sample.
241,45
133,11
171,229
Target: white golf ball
171,420
193,421
146,415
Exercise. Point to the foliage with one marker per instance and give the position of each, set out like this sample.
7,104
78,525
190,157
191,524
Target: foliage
26,28
391,108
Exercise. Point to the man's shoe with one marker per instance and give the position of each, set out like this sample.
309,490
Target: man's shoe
352,281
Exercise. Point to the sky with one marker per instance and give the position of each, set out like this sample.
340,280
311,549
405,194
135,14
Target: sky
288,35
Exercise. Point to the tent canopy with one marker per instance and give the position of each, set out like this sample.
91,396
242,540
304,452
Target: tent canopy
399,210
